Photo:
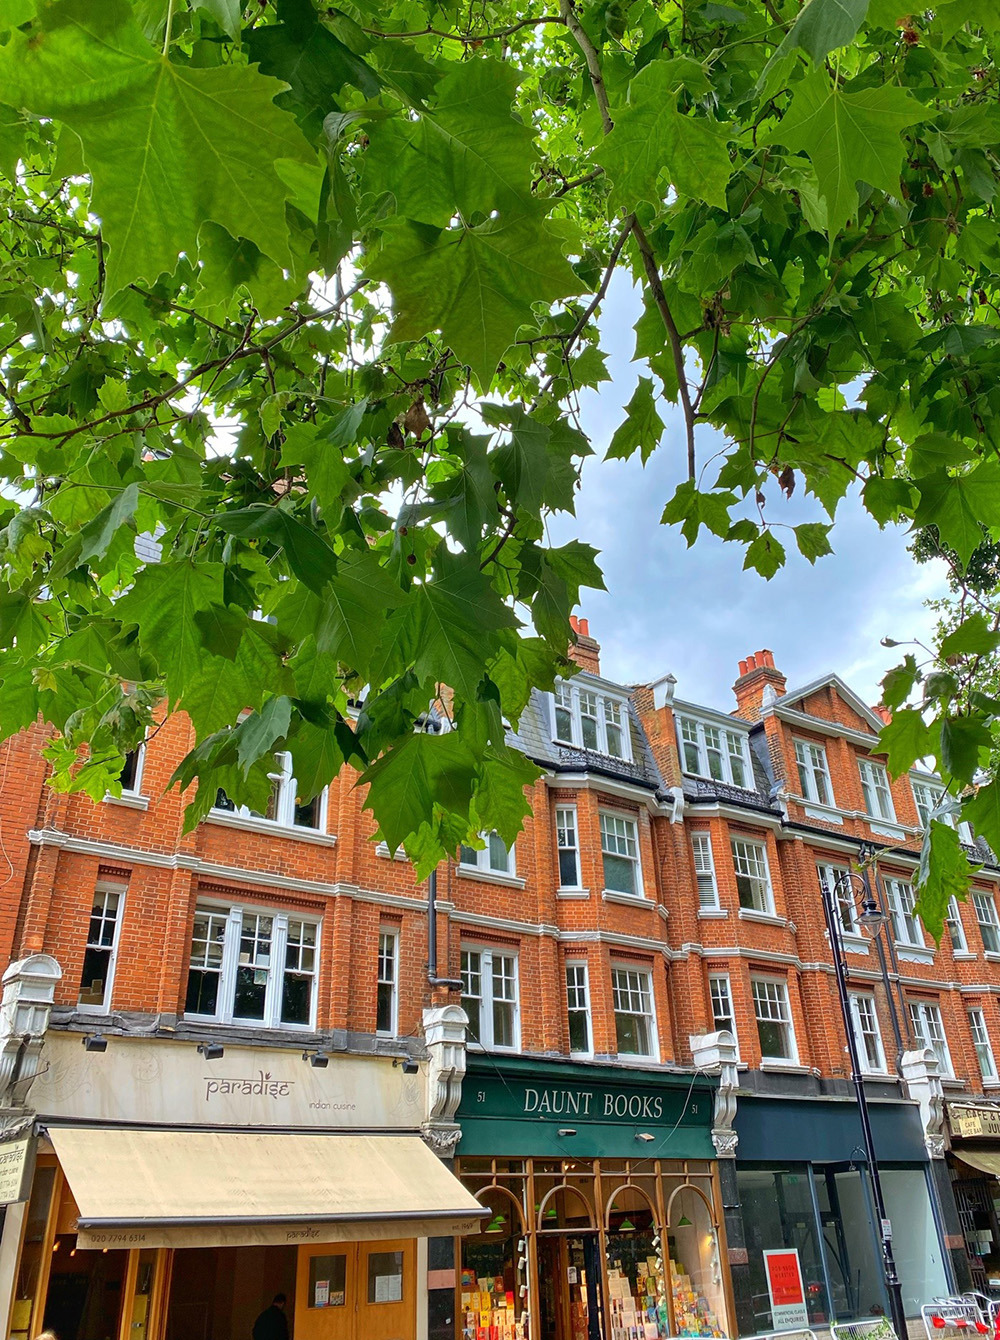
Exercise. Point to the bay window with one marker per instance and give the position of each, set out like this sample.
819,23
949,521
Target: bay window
774,1019
875,789
635,1023
585,718
867,1034
101,951
620,850
252,966
986,915
814,772
578,1009
568,845
495,856
905,925
285,808
753,878
710,750
926,1021
490,997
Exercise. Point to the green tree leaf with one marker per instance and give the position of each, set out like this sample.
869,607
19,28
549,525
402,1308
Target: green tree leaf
476,285
467,153
849,137
905,739
651,137
899,683
958,505
642,428
811,537
974,636
943,874
142,121
824,25
963,741
303,52
765,555
259,733
424,771
163,602
96,536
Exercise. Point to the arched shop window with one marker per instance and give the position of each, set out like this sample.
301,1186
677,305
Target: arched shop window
494,1283
695,1263
637,1281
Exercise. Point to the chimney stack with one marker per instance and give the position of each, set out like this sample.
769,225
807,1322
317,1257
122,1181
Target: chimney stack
757,675
584,649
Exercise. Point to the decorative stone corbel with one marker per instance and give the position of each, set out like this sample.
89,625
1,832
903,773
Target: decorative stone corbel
445,1029
921,1076
716,1053
28,990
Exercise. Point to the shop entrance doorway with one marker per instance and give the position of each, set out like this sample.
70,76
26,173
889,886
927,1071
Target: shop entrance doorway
356,1291
569,1277
217,1293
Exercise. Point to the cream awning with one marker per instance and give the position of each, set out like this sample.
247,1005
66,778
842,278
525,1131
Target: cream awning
983,1159
183,1188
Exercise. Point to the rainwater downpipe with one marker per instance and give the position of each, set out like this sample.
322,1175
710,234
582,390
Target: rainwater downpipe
454,983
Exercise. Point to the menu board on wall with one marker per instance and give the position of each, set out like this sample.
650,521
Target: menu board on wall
786,1290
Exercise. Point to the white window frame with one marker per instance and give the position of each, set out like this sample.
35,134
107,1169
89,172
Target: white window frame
720,988
704,870
780,1002
814,772
907,931
276,968
865,1021
712,737
285,787
101,889
567,828
925,1019
956,930
578,991
982,1045
637,986
830,876
743,862
140,764
876,791
986,917
484,856
388,937
578,700
486,955
607,820
933,794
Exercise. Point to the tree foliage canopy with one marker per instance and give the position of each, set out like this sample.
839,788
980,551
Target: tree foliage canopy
308,295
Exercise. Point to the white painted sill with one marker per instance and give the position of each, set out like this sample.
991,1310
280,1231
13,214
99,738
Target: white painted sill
248,824
573,893
765,918
490,876
383,850
907,953
626,899
991,955
789,1067
128,800
963,956
712,913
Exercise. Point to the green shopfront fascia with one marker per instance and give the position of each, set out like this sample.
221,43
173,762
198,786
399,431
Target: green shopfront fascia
605,1218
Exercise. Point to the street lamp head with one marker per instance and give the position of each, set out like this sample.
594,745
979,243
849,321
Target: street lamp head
871,915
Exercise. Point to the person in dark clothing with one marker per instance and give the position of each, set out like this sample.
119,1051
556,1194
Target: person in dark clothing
272,1324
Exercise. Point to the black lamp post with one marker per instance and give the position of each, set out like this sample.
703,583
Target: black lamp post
857,889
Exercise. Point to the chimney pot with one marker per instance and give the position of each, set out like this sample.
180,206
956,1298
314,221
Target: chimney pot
766,658
743,666
583,627
752,661
574,623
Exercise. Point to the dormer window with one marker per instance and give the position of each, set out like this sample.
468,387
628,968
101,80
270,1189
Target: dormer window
708,750
585,718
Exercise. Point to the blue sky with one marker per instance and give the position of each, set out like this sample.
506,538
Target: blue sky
694,612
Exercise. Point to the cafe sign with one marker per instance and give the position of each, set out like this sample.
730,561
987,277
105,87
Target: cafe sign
13,1161
975,1123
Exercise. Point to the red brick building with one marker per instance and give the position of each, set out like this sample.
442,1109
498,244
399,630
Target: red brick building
653,1090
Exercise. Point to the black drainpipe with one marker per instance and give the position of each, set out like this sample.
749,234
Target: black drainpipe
455,983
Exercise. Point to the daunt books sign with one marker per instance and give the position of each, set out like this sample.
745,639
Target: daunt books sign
530,1109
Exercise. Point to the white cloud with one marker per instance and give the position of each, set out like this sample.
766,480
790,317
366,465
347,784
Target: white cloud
694,612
